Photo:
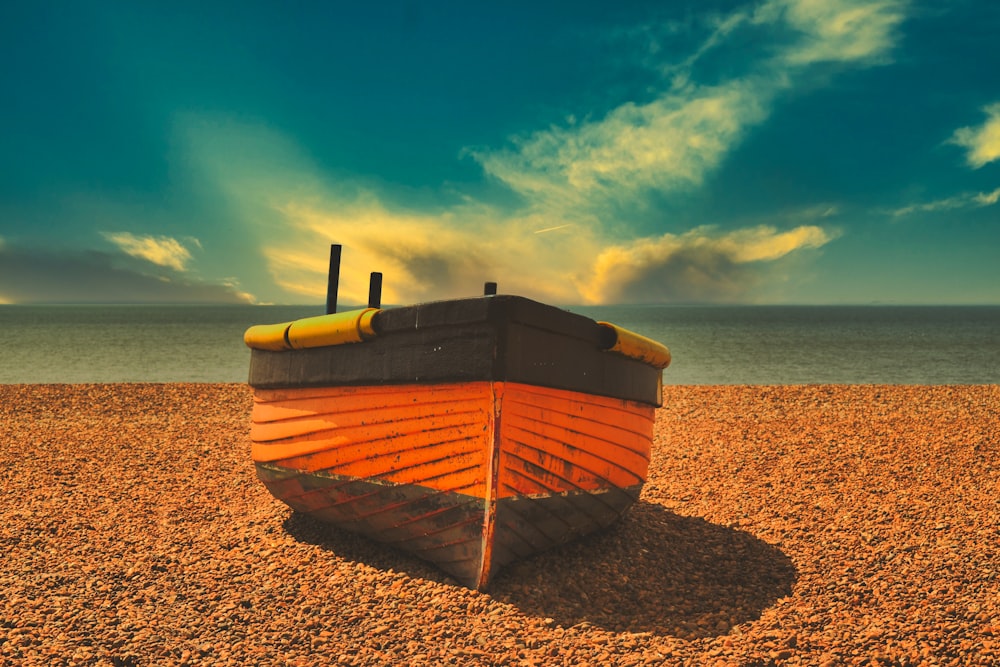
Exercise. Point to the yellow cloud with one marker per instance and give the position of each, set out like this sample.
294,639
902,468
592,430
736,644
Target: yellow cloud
233,284
580,179
428,257
670,143
160,250
666,144
835,30
422,256
983,142
965,200
764,244
702,264
987,198
552,250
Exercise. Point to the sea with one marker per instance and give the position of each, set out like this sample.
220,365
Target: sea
759,345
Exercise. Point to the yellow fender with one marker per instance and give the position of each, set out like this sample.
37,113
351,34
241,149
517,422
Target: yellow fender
352,326
638,347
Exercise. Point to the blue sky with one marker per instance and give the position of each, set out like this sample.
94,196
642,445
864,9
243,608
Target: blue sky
779,151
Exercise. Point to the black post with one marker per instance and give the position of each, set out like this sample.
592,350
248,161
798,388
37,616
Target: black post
333,279
489,289
375,290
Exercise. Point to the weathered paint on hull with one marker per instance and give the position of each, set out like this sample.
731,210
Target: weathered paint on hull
441,527
469,476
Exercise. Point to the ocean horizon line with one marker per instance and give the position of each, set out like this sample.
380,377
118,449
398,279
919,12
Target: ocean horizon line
218,304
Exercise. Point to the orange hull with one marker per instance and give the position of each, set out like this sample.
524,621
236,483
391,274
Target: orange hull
469,432
469,476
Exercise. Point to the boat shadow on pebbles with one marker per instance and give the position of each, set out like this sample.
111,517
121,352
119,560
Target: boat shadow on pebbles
357,548
654,571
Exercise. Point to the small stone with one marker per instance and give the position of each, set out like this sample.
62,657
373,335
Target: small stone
867,543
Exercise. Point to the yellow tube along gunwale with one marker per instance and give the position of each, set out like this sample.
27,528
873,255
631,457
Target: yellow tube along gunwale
335,329
469,432
498,338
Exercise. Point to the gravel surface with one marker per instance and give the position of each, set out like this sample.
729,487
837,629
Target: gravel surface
819,525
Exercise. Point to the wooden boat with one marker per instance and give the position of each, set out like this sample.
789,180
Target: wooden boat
469,432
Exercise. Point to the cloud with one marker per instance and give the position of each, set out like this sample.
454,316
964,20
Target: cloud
583,184
160,250
667,144
33,275
982,142
432,257
539,231
835,31
446,252
700,265
987,198
557,254
671,142
564,255
967,200
426,256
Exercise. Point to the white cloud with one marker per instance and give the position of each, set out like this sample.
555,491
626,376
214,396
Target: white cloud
982,142
159,250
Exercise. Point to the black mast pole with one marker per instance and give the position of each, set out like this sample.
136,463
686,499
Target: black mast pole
333,279
375,290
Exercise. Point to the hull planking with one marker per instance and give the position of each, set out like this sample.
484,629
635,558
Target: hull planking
470,433
468,476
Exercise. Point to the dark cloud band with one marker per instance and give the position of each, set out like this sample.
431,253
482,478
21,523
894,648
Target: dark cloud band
35,275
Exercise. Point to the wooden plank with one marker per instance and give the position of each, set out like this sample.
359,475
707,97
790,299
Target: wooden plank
444,528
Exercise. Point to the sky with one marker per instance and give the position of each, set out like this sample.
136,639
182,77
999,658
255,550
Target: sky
683,152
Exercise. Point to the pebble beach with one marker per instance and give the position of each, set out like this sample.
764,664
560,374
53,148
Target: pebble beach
781,525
